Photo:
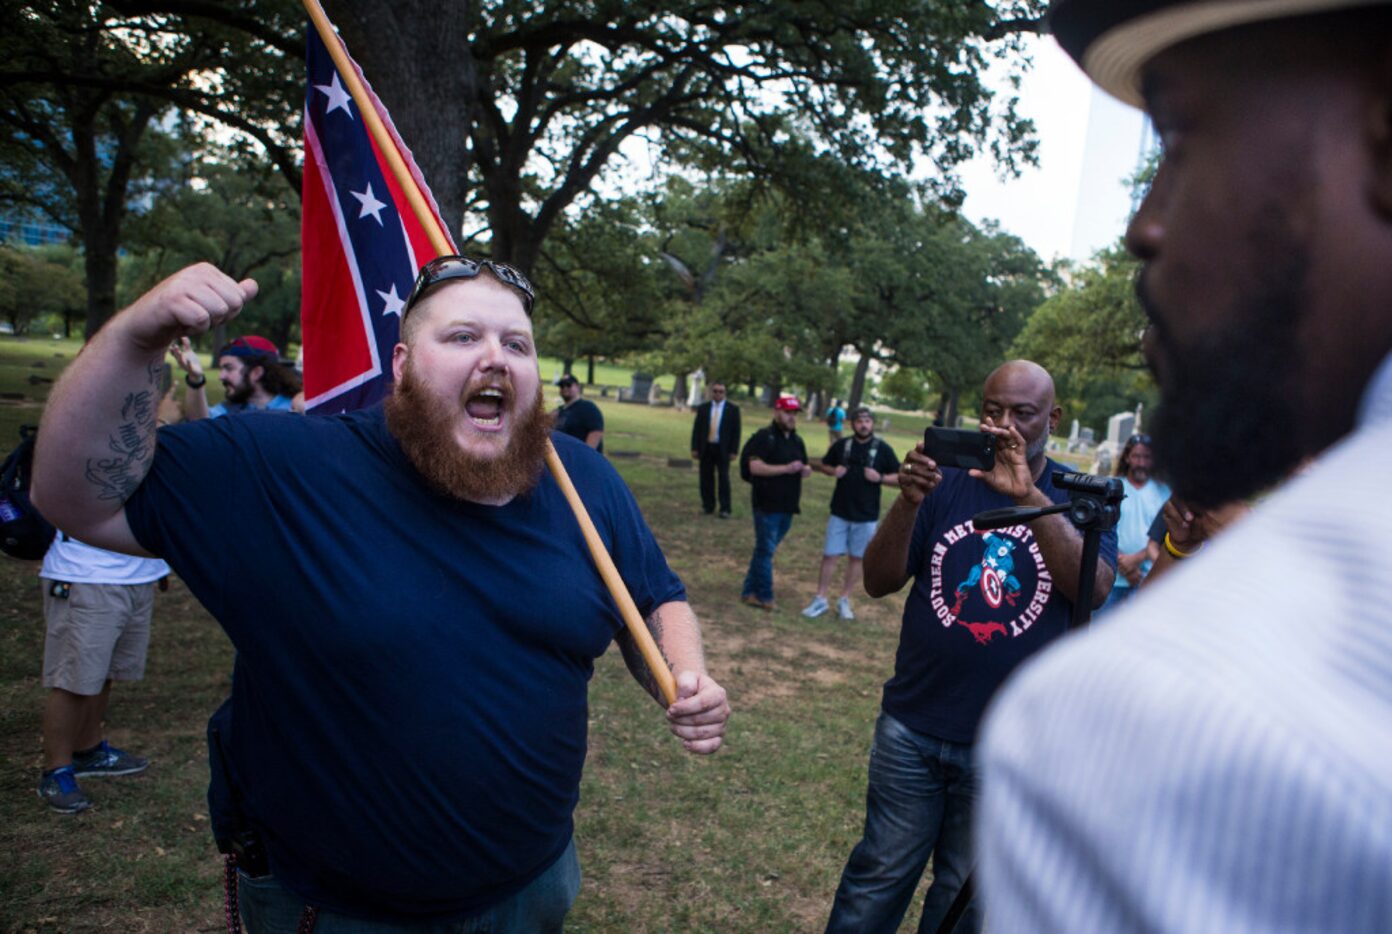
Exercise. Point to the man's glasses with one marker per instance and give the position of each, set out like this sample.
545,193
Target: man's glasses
444,268
1139,439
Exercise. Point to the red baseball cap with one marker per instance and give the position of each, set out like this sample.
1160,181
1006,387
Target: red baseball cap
788,404
250,345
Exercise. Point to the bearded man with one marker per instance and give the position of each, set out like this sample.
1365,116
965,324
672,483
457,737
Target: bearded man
418,620
1220,759
252,376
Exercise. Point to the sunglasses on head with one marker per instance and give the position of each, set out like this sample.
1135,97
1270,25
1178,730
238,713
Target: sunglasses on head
1139,439
444,268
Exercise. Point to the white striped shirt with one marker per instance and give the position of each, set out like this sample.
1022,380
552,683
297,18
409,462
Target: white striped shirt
1218,757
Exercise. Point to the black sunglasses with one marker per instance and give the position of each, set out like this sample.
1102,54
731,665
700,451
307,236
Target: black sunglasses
1139,439
444,268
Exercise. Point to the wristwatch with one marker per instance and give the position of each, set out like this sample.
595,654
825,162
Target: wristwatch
195,382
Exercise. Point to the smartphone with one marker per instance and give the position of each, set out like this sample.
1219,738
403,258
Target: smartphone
960,447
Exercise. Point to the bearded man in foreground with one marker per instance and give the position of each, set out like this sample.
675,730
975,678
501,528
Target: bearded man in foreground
1219,757
416,619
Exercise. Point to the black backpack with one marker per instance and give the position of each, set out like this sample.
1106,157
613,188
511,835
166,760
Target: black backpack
23,532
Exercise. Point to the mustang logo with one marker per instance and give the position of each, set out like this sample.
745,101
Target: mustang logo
983,632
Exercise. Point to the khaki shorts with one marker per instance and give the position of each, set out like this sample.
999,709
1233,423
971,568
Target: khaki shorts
98,631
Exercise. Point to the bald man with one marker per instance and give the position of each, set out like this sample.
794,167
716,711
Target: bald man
980,604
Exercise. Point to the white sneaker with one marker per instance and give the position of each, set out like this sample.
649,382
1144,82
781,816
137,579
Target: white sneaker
816,608
843,608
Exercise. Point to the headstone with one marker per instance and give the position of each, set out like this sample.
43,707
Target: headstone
1073,433
696,388
1120,427
1085,435
683,462
640,386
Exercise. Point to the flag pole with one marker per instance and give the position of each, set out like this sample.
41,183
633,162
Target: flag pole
607,570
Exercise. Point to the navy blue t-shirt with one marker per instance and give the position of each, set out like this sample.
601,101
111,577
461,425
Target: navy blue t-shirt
981,603
410,689
579,418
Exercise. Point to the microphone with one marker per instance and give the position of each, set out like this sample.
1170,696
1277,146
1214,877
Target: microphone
1014,515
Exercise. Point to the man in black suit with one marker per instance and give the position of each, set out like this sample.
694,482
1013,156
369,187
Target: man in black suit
715,439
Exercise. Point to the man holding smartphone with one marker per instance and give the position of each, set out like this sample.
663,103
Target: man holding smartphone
981,603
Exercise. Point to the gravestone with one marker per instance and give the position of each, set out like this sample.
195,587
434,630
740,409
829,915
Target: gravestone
696,388
1085,435
641,386
1120,427
1073,433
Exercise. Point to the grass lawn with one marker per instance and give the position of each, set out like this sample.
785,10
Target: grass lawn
752,839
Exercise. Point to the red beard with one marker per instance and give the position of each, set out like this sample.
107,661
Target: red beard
424,427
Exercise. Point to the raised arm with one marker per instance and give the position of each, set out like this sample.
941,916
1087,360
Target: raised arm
97,438
195,396
1059,542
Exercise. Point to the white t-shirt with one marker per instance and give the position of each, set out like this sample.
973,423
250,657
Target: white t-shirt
71,561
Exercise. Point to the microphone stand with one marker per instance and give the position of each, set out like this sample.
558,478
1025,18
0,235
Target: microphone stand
1094,505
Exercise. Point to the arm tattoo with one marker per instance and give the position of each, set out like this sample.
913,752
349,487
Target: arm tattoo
132,448
637,665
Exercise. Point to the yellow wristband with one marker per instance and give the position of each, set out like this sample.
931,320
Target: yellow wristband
1176,553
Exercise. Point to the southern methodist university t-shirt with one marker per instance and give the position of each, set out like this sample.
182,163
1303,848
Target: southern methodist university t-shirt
981,603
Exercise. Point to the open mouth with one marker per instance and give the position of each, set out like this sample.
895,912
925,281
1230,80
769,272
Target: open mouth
485,409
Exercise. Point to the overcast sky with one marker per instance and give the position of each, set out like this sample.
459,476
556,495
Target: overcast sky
1076,202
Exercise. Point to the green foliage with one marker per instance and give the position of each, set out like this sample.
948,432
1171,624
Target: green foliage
1088,336
235,214
599,284
903,388
549,92
85,89
36,283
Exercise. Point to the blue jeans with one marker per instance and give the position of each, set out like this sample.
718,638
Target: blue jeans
270,908
769,529
919,802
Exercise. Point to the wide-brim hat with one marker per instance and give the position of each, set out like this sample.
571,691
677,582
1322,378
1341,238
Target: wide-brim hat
1112,40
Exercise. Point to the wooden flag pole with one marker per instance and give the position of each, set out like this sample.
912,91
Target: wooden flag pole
607,570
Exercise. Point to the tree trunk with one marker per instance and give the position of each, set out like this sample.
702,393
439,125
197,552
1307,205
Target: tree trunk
950,409
679,392
99,268
416,55
858,381
566,364
589,370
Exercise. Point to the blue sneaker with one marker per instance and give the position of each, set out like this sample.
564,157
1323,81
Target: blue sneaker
60,791
106,759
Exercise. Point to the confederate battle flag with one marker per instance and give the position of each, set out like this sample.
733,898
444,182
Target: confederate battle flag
361,244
